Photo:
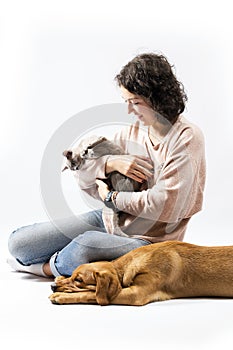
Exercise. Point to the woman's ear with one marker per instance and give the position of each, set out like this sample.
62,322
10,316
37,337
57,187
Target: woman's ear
107,286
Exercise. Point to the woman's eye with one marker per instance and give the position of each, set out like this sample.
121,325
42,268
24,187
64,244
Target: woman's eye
79,280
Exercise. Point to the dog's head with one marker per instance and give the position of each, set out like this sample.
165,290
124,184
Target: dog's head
98,276
84,150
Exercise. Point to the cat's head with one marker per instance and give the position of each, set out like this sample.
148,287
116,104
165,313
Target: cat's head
85,150
73,160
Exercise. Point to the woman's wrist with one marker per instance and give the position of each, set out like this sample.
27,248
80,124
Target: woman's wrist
110,200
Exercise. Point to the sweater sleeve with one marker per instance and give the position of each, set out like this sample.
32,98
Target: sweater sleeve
176,193
91,170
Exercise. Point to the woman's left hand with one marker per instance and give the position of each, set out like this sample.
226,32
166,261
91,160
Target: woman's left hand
102,188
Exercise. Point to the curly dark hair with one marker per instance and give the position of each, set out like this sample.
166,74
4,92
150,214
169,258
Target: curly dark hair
150,76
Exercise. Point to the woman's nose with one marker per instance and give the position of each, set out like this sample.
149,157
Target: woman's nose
130,108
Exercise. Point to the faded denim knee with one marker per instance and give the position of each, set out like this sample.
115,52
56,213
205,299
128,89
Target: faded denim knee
91,246
82,250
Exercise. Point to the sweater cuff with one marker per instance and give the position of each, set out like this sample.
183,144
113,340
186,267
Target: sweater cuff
123,201
92,170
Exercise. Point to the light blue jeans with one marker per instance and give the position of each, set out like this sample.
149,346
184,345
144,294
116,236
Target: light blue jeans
70,243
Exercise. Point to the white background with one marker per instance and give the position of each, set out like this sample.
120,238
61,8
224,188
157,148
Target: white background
60,57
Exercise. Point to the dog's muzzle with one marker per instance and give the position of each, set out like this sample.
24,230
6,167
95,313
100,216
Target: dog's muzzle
53,287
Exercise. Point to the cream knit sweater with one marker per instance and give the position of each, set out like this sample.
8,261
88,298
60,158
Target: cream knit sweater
175,193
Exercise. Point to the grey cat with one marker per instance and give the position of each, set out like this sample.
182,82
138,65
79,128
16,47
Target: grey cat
92,148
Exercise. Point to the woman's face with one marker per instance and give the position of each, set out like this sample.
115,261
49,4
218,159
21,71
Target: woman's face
138,106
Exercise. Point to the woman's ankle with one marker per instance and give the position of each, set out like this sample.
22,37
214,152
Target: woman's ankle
47,270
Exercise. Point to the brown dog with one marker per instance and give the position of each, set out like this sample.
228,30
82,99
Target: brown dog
155,272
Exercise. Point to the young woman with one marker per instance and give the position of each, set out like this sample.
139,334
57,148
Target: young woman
163,150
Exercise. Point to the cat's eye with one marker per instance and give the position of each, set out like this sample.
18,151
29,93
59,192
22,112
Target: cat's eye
84,153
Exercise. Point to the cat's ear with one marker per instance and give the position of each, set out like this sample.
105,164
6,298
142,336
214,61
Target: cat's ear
102,138
68,154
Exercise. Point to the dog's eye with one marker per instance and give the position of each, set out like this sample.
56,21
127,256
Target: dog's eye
79,279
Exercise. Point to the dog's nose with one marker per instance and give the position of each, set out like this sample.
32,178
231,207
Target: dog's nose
53,287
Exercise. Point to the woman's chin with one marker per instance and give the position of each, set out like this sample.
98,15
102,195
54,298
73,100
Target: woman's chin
143,122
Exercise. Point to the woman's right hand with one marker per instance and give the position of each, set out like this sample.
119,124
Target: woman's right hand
138,168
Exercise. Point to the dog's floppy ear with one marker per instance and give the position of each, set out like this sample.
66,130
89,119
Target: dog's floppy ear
107,286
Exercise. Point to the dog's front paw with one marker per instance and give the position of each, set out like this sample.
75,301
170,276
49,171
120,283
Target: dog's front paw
58,298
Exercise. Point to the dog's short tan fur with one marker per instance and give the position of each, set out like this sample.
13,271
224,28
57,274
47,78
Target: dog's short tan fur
155,272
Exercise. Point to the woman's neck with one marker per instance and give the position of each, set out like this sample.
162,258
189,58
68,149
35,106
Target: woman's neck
158,130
